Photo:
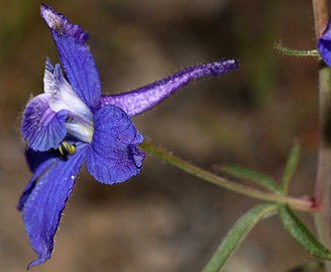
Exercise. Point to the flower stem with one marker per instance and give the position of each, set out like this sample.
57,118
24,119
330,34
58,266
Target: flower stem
295,203
294,52
323,179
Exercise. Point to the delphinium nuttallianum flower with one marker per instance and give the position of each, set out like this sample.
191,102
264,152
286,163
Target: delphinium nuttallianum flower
71,123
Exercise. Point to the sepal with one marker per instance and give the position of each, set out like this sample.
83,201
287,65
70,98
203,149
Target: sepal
42,210
76,58
113,155
38,163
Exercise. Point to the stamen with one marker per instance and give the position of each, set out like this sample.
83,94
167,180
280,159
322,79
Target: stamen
80,128
65,149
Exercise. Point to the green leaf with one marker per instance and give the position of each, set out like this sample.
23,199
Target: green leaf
299,232
290,167
237,234
250,175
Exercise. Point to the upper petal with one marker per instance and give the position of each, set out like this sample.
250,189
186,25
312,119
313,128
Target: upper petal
42,127
75,56
61,94
42,210
113,155
144,98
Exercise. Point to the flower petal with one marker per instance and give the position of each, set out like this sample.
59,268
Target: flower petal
113,155
38,162
324,44
62,96
42,127
75,56
42,210
144,98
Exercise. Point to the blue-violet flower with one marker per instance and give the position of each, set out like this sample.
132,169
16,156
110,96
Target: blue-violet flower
72,123
324,44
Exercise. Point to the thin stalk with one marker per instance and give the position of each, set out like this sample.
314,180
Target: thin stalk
294,52
295,203
323,179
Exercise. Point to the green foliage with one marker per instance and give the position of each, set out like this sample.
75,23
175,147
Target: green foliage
299,232
265,181
250,175
237,234
276,199
290,167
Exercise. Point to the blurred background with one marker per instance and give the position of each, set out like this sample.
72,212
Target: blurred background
164,219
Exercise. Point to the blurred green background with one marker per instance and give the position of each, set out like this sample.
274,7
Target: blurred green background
164,219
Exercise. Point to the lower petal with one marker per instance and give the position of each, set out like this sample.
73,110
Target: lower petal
39,162
113,155
42,210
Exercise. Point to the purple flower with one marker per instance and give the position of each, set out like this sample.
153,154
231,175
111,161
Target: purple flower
72,123
324,44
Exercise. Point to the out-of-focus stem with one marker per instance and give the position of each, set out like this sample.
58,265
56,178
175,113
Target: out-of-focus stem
323,179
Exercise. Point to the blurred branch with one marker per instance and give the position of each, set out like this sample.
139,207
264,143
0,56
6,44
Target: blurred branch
323,179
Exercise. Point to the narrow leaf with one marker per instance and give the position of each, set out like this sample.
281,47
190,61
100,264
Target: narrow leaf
299,232
236,235
250,175
290,167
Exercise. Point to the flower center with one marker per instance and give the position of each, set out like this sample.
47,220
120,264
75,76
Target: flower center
80,128
79,122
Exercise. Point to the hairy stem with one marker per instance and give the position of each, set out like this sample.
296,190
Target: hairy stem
295,203
323,179
294,52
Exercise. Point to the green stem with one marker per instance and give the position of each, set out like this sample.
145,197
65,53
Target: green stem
323,179
295,203
294,52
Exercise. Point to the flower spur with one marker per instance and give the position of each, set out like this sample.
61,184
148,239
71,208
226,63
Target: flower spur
71,123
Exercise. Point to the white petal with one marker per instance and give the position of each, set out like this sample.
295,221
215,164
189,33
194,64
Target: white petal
62,96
